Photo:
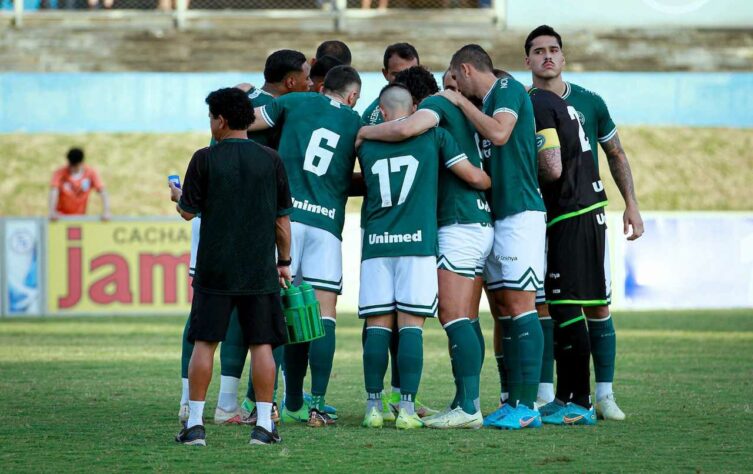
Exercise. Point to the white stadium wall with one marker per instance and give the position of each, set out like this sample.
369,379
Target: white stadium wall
140,265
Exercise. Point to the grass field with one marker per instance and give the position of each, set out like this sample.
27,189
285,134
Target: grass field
101,394
674,168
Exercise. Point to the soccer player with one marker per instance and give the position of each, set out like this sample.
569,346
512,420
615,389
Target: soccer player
335,48
514,269
465,238
319,71
397,57
576,235
285,71
242,192
317,145
398,260
546,59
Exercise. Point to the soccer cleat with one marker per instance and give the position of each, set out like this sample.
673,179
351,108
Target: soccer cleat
183,414
193,436
222,417
607,409
387,413
456,418
405,421
261,436
423,411
549,409
318,419
373,419
301,415
442,412
247,406
572,414
250,418
520,417
497,414
328,409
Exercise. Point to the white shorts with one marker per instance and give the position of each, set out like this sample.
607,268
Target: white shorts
463,248
195,233
316,258
516,261
406,284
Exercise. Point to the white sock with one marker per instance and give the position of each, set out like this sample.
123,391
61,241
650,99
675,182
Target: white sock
228,399
503,397
546,392
196,414
603,389
184,392
395,389
264,414
407,405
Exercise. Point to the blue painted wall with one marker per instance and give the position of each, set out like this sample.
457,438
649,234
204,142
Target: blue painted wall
174,102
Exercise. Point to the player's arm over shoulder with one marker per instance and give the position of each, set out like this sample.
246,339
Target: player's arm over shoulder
457,162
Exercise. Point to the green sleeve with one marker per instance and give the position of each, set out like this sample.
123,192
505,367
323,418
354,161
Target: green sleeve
450,151
607,129
508,97
434,105
275,110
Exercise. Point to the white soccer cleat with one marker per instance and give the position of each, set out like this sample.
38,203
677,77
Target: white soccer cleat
441,412
607,409
455,419
183,413
222,417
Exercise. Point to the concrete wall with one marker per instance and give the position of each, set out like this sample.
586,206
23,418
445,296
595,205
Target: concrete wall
600,14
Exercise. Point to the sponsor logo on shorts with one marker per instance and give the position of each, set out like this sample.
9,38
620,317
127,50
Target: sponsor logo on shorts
601,218
314,208
554,276
598,186
387,238
504,258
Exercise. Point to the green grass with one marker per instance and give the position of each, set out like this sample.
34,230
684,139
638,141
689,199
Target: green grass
674,169
101,394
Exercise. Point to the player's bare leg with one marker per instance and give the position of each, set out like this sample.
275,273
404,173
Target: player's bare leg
263,372
321,356
199,377
603,350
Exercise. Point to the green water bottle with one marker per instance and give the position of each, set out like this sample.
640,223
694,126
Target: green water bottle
313,311
296,312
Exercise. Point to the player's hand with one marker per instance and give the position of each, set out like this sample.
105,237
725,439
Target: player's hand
451,95
359,138
631,218
283,274
244,86
175,192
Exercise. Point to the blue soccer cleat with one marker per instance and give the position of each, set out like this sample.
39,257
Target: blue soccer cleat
497,414
520,417
550,409
572,414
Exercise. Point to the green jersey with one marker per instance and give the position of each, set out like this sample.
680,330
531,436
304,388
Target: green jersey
317,146
458,202
400,206
513,167
269,137
372,115
593,115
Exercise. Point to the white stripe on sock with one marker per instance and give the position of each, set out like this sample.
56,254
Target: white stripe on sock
445,326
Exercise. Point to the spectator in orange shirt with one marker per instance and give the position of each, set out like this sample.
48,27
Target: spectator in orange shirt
71,185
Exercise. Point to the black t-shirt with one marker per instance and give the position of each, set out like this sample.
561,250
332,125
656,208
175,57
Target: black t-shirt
579,187
240,188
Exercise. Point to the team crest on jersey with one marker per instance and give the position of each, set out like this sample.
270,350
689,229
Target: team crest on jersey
581,118
503,83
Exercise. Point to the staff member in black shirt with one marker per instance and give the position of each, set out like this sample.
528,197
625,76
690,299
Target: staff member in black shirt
241,190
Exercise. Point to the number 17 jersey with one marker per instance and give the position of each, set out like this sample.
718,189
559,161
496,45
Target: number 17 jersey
317,146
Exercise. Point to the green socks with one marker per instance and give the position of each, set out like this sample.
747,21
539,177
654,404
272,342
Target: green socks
547,359
476,324
529,339
466,356
376,350
233,349
296,365
410,361
511,360
321,355
395,368
603,348
186,351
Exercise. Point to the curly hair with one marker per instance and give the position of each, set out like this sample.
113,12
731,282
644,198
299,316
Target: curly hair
234,106
419,81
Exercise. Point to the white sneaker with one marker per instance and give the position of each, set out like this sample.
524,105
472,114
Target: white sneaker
222,417
456,418
442,412
183,413
607,409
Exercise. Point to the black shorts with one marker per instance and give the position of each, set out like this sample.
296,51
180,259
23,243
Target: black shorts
576,252
260,318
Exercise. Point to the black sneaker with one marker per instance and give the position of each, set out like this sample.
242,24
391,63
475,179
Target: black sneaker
193,436
261,436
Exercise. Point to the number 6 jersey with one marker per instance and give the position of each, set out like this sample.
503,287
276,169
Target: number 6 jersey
400,207
317,146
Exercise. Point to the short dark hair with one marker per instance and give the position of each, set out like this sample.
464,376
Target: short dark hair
404,51
474,55
75,156
323,65
281,63
419,81
340,78
500,73
334,48
543,30
234,106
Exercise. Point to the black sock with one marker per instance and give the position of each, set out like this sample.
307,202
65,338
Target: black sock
572,351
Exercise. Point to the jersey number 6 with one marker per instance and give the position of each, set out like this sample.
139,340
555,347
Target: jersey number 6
315,151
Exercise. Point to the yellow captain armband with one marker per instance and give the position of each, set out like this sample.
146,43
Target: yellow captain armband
546,139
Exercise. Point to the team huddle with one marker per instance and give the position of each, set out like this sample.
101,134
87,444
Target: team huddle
483,186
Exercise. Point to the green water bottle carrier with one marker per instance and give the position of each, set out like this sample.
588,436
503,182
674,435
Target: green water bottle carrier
303,317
